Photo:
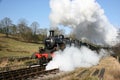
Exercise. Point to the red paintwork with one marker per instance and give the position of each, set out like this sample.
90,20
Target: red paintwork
45,55
39,55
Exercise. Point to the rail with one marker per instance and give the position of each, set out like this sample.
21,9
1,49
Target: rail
22,74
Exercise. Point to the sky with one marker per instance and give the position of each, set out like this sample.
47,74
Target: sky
39,10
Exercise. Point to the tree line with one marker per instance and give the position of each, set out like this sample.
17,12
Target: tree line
29,33
23,32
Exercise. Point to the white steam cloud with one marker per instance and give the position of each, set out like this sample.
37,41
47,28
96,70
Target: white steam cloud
72,57
85,17
88,21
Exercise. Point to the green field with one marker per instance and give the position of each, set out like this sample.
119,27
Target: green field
12,47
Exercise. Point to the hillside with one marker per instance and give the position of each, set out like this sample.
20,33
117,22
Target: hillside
13,47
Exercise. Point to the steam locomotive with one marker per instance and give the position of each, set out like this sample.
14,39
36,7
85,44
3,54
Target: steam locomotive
51,44
57,42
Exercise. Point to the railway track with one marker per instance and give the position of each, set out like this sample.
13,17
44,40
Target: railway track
39,72
26,73
98,73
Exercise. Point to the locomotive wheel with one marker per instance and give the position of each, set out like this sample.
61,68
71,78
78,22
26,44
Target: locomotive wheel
42,61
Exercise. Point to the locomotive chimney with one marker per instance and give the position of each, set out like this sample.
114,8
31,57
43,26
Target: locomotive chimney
51,33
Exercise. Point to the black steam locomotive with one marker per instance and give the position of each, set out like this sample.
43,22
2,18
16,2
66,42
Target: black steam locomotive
58,42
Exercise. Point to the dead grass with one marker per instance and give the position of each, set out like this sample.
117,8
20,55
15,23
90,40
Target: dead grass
12,47
112,68
4,63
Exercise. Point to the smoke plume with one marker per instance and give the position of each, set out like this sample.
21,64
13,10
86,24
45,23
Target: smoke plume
88,21
86,18
72,57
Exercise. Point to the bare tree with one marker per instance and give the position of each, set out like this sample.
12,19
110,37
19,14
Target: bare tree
5,24
43,33
0,27
13,29
34,27
119,34
23,29
22,25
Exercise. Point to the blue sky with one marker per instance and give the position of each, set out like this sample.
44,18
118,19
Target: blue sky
31,10
112,10
39,10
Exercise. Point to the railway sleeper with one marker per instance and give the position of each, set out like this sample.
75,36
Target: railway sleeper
101,74
95,73
1,76
6,75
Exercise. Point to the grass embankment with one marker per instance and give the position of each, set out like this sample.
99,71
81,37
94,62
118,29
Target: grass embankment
12,47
